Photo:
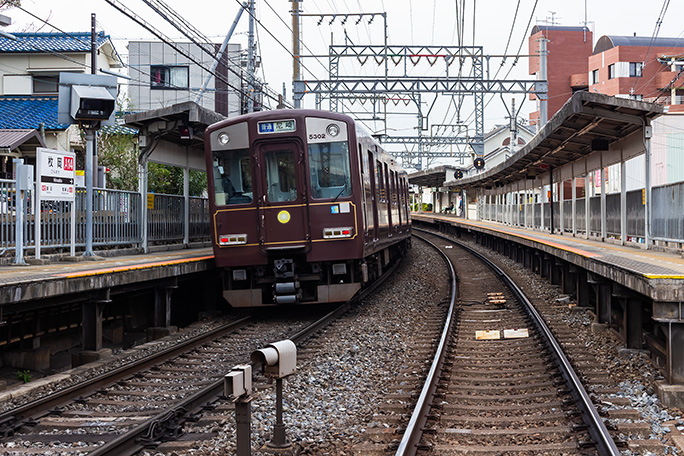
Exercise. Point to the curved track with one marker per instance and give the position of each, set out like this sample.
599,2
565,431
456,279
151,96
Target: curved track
516,394
146,402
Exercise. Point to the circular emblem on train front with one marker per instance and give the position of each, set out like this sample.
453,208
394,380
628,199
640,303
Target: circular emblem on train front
283,216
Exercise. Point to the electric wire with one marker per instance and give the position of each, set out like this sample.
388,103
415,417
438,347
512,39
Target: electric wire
131,15
304,45
86,42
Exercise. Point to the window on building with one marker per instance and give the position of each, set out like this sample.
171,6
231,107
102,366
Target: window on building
594,77
611,71
635,69
169,77
45,84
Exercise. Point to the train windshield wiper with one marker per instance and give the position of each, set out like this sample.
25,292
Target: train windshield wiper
344,187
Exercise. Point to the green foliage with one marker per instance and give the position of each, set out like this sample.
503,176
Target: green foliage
24,376
427,207
5,4
169,180
118,152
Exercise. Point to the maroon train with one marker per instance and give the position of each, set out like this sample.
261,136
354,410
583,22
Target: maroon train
305,207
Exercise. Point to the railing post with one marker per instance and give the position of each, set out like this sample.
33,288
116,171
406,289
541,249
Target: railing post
186,206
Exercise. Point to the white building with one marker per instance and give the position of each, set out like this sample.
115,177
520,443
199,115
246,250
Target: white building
161,77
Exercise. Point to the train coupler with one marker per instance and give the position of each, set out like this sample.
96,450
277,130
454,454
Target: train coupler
286,292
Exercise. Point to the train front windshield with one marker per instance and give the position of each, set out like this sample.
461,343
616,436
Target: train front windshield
329,170
232,177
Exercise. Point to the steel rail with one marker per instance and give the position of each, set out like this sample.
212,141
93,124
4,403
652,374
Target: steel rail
605,445
414,430
150,432
13,419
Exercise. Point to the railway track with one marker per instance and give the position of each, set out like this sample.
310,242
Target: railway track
500,383
145,404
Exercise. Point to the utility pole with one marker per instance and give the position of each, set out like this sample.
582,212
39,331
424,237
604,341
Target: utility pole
543,98
513,127
91,150
250,59
296,69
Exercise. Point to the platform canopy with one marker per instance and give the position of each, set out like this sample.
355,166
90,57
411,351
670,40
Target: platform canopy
173,135
586,123
433,177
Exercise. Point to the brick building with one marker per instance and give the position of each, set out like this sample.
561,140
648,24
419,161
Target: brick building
637,67
568,51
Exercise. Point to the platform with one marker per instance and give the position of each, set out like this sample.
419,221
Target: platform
21,284
638,292
656,274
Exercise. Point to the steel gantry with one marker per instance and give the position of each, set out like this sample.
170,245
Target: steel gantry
387,87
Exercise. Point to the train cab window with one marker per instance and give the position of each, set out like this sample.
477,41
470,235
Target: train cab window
329,170
280,175
232,177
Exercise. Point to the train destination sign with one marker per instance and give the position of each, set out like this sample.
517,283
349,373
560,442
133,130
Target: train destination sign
278,126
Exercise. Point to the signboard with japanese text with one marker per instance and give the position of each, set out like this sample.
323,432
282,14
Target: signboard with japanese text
55,174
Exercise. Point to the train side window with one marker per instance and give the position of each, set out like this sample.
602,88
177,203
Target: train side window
232,172
280,175
360,158
388,190
381,182
329,170
371,173
394,188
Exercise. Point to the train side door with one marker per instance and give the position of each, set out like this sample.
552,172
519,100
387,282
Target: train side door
282,200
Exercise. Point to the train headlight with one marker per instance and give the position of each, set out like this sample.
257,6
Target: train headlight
232,239
333,130
337,233
223,138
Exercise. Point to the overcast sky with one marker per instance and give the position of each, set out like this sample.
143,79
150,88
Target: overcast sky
416,22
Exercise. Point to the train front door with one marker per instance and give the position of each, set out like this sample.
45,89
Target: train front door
284,220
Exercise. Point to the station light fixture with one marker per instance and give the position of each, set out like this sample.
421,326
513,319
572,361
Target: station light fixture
185,132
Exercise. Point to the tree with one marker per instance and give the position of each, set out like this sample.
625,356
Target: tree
169,180
6,4
116,150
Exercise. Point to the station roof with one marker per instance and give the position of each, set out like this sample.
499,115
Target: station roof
433,177
164,122
586,122
11,139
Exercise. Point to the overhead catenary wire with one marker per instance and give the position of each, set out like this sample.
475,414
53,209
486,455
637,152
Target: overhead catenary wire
654,35
290,52
85,42
131,15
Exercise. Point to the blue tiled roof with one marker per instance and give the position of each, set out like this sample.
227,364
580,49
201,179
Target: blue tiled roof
29,112
46,42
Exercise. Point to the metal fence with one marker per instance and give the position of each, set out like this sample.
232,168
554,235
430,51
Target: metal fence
667,210
117,219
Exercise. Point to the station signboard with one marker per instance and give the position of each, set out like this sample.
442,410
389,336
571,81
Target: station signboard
55,171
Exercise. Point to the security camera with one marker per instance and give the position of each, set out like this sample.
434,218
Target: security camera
91,103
